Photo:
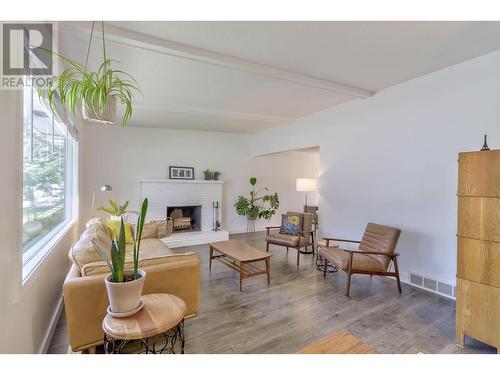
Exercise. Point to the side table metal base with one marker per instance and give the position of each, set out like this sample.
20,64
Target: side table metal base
320,265
169,342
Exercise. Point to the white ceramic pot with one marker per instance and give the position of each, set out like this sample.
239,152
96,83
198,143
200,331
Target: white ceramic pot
125,297
107,117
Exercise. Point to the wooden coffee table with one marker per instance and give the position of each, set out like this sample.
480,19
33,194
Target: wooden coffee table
239,256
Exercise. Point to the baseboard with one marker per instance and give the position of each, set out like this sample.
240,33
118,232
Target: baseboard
52,327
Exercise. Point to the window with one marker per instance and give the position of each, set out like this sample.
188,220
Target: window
48,175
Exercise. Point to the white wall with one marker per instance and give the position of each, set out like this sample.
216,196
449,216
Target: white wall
392,159
122,156
26,310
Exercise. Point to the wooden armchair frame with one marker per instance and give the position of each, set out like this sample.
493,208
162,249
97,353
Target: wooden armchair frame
298,248
351,271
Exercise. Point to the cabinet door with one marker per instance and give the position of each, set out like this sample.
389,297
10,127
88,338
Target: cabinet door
479,261
478,311
479,218
479,174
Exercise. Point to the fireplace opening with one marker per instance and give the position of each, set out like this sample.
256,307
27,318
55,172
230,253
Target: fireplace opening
185,218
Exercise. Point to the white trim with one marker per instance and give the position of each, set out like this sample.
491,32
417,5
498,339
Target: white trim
174,181
149,43
44,348
59,232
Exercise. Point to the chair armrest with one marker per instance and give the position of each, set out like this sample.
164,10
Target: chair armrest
371,253
272,227
340,240
327,239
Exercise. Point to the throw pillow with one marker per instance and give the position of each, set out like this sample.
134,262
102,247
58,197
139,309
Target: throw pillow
114,229
149,230
291,224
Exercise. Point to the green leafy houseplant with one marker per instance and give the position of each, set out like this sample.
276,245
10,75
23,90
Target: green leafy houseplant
257,205
114,209
96,90
117,262
124,287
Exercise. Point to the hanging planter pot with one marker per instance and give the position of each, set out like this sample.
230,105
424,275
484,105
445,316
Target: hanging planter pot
108,116
97,90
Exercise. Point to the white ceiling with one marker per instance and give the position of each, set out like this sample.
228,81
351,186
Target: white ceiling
247,76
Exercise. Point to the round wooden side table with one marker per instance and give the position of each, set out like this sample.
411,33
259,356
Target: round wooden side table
157,328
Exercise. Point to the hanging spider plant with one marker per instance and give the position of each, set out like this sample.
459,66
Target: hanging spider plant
97,91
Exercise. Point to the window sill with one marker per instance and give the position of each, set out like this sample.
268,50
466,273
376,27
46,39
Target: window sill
30,267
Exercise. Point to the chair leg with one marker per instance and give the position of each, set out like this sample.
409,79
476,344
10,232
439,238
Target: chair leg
349,274
348,286
287,249
267,246
298,256
396,270
325,265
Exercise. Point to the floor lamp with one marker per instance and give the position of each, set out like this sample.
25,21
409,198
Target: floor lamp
306,185
102,189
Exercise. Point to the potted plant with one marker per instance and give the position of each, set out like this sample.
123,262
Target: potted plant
124,287
208,174
115,210
97,91
216,175
257,206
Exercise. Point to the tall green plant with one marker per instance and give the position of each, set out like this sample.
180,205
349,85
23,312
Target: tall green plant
138,235
116,262
114,208
257,206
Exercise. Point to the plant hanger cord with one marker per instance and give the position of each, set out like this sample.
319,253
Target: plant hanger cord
90,43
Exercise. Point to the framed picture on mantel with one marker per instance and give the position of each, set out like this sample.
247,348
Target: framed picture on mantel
181,173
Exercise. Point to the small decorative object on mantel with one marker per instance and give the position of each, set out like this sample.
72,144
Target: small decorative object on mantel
181,173
208,174
215,175
485,145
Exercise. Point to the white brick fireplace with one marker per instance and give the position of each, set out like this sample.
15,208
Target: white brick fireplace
163,193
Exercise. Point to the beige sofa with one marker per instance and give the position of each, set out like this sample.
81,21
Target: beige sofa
85,296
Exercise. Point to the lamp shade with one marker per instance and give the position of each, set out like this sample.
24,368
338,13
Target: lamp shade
306,184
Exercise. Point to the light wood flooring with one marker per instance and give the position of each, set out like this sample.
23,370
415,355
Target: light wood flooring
300,307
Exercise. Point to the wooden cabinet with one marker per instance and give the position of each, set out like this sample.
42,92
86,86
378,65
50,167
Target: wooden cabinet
478,247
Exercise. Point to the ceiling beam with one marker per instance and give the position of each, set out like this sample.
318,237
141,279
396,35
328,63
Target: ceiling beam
133,39
208,112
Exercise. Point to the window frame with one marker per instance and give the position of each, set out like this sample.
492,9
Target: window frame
36,253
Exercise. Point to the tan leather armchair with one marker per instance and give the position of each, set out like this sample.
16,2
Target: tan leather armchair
303,240
373,257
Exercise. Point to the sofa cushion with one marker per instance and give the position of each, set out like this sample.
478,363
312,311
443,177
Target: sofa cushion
152,252
360,261
283,239
84,251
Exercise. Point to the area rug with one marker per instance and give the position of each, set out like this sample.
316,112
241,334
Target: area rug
338,343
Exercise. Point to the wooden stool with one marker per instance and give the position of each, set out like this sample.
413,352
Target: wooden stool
162,317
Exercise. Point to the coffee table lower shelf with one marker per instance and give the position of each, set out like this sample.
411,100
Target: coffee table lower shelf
241,264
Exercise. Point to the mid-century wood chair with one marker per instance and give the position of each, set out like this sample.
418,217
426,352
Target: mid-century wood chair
303,240
373,257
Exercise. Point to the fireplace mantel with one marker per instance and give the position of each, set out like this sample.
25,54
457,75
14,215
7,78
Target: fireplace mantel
173,181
